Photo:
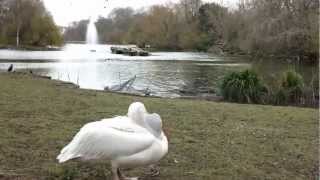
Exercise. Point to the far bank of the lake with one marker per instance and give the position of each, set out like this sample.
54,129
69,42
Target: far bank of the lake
31,48
217,50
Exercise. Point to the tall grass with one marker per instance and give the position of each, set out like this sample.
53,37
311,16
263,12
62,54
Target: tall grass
291,88
243,87
247,87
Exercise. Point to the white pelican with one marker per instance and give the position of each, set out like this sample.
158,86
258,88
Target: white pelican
125,141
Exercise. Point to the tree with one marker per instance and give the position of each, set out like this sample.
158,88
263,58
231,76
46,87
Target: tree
4,8
279,27
212,23
27,22
104,27
121,21
76,31
191,9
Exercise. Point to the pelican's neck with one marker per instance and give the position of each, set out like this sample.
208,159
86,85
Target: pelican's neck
137,113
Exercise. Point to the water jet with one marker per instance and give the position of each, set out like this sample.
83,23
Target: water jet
92,34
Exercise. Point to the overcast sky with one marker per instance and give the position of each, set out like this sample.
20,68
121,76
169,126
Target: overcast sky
67,11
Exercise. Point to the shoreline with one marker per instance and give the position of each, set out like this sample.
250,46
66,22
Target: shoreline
209,97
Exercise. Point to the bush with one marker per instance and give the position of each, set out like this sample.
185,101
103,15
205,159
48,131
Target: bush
292,80
243,87
291,88
246,87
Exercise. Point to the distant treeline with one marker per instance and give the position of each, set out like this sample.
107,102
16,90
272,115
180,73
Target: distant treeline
257,27
27,23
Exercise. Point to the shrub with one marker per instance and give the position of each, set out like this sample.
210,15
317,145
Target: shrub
292,80
291,88
243,87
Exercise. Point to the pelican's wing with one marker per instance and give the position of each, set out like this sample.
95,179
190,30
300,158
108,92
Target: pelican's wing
107,140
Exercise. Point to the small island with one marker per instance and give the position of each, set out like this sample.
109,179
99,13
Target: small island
132,50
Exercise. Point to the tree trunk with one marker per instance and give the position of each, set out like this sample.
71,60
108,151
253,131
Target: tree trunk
18,36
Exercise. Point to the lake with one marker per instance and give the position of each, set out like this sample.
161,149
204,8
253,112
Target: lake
165,74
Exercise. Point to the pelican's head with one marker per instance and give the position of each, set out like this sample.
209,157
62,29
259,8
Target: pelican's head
154,122
136,112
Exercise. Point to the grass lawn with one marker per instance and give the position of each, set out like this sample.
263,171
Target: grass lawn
207,140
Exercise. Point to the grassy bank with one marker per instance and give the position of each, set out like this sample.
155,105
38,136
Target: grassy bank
207,140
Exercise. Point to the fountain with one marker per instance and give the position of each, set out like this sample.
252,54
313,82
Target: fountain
92,35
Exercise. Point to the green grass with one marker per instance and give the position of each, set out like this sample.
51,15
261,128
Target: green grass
207,140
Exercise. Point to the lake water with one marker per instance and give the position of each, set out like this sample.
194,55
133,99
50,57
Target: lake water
166,74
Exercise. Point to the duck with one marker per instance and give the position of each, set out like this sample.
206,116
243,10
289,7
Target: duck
130,141
10,69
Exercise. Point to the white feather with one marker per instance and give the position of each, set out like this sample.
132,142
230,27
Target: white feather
107,139
125,141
